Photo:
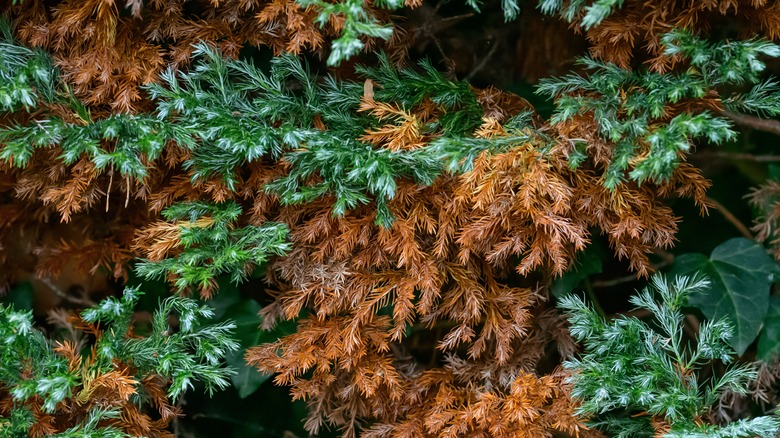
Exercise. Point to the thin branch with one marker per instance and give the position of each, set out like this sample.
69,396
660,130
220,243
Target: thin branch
742,157
637,313
748,121
83,301
108,190
745,231
594,299
600,284
484,61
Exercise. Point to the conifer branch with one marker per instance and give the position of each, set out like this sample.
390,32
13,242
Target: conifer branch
122,371
641,379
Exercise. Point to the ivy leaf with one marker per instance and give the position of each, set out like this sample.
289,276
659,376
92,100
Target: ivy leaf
227,298
769,339
741,274
246,316
588,262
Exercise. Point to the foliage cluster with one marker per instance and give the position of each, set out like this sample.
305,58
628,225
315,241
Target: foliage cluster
639,381
106,381
413,231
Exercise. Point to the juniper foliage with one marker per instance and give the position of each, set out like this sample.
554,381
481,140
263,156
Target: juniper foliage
228,113
38,373
632,108
641,378
466,186
26,74
590,15
212,245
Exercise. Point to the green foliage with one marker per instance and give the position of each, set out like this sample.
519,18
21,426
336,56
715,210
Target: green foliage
24,347
26,74
229,113
194,353
631,108
741,274
215,245
136,139
724,62
358,22
591,15
632,371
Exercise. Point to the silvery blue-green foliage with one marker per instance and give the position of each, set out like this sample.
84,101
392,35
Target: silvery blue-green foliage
632,371
137,138
215,245
591,14
631,107
360,23
25,348
26,74
195,352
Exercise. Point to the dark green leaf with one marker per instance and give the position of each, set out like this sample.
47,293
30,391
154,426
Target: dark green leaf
246,316
588,262
741,274
227,297
769,340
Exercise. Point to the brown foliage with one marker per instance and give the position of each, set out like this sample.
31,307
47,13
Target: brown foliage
445,265
442,261
465,262
107,49
767,200
637,26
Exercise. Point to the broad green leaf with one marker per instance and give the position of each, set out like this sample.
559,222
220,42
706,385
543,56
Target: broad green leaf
246,316
741,274
227,297
769,339
588,262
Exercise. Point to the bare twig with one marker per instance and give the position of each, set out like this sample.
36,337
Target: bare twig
594,299
82,301
740,156
108,190
638,314
628,278
745,231
748,121
484,61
